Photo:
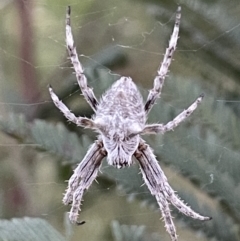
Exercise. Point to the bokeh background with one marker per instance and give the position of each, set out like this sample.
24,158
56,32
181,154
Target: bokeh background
39,148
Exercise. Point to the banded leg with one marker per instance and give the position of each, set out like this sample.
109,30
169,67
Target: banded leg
166,213
157,183
163,69
83,176
81,78
79,121
161,128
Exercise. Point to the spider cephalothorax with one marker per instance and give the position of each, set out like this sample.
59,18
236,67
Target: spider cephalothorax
120,119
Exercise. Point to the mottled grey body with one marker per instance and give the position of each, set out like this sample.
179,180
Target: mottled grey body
124,99
120,118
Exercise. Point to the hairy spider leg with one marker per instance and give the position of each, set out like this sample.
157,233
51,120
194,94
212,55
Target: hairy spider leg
157,183
82,178
162,128
81,78
79,121
154,93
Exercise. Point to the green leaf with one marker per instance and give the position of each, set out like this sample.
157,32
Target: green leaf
56,139
28,229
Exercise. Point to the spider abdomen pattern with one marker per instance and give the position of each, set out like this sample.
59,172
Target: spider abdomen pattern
123,98
120,120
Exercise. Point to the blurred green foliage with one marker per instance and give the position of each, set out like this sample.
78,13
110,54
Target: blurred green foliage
38,148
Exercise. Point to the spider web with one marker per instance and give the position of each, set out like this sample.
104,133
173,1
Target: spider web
114,38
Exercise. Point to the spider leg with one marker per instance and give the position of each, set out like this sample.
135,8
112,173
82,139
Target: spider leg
157,183
163,69
161,128
80,121
181,206
81,78
166,213
82,178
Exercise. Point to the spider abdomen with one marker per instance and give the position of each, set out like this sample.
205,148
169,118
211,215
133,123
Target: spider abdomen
122,99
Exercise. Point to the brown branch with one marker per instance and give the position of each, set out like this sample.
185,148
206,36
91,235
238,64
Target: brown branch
30,91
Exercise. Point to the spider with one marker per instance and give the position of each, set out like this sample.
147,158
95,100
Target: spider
120,118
